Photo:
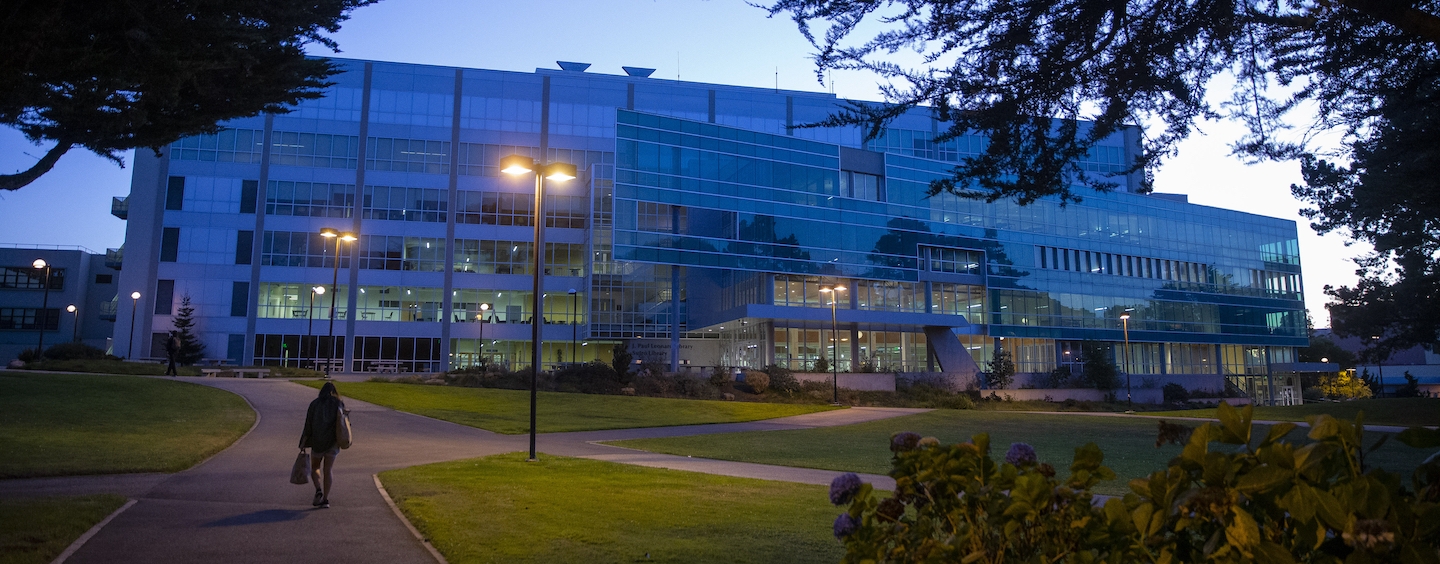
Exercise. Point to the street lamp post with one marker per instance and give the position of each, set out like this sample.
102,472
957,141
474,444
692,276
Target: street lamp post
75,324
1125,321
44,317
484,308
134,305
338,236
310,328
834,291
574,324
516,165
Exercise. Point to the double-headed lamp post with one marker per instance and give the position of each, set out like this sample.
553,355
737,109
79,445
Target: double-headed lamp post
834,292
134,305
1125,322
43,318
517,165
75,324
338,236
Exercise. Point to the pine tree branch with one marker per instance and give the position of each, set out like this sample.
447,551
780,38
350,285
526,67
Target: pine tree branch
21,179
1401,15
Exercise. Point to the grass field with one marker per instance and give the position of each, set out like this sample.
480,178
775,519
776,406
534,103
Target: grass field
67,424
35,531
1128,443
1404,412
508,411
503,509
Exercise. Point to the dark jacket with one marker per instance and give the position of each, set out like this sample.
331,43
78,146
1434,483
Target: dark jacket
320,421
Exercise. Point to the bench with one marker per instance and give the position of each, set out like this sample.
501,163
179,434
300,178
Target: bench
235,372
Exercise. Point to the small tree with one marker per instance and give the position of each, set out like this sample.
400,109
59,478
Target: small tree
620,359
1371,381
1002,370
1411,389
1344,385
191,348
1100,370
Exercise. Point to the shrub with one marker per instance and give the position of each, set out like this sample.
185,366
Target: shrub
1248,499
1100,370
591,378
757,380
694,387
1058,379
74,351
1175,393
822,364
1411,389
782,379
28,356
620,359
720,377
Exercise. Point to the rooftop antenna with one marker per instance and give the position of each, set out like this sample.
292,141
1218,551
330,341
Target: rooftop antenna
677,66
831,75
777,79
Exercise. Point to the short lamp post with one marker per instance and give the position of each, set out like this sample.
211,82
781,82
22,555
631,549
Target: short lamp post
517,165
1125,322
484,309
75,323
338,236
833,290
134,305
44,318
310,328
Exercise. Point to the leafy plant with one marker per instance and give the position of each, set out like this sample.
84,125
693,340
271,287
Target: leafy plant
720,377
821,365
1248,499
1100,370
74,351
1175,393
620,359
1344,385
782,379
1002,370
757,380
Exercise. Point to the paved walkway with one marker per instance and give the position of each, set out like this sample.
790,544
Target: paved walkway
239,506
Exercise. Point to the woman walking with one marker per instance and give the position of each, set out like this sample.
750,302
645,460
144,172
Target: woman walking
321,422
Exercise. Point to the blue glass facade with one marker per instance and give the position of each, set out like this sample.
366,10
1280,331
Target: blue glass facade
705,228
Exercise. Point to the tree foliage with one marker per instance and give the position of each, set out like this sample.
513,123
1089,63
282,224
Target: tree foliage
1322,348
1028,75
192,349
112,75
1002,370
1100,371
1232,496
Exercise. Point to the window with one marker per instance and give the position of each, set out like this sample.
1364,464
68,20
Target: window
239,299
407,155
164,296
952,261
175,193
244,247
406,204
300,248
227,146
29,319
861,186
650,216
104,278
888,295
249,191
309,199
169,244
30,278
314,150
379,252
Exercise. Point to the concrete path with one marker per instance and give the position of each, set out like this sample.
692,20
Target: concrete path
239,506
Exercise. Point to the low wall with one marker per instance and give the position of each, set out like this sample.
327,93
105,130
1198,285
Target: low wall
860,381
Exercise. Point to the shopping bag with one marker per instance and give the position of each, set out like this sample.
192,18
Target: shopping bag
300,473
342,429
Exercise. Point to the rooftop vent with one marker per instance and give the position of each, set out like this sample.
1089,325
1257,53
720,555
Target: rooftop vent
637,71
572,67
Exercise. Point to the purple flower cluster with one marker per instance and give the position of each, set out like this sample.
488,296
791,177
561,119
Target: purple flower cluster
845,525
900,442
1021,454
843,488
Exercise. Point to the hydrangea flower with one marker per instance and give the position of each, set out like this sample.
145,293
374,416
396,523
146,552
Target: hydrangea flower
903,441
845,525
1020,454
843,488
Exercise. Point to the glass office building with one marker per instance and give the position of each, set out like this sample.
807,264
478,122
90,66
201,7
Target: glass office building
705,229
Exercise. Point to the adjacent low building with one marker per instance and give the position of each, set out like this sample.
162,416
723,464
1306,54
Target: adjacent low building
78,277
706,228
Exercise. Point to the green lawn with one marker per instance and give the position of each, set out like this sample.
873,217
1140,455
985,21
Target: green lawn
1403,412
110,367
67,424
37,530
1128,443
508,411
503,509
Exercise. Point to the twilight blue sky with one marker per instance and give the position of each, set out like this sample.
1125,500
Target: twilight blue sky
719,41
